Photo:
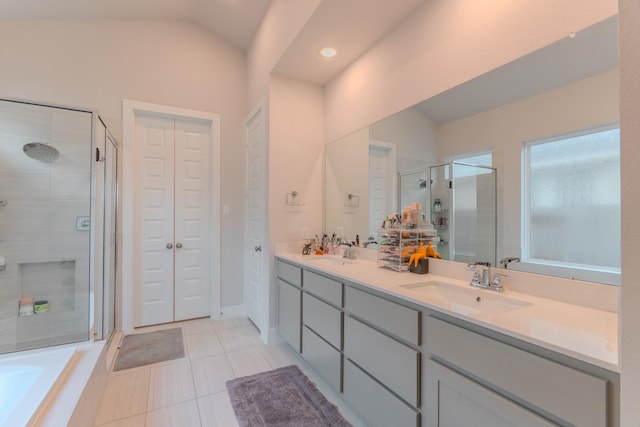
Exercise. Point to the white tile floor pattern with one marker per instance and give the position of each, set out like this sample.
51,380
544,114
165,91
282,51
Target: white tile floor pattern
191,391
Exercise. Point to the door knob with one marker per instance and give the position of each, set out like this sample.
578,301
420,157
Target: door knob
258,248
178,245
169,245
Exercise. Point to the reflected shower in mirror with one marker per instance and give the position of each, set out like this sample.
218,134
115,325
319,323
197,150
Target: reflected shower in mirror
463,211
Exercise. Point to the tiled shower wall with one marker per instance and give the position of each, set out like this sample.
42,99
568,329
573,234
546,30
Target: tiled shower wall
47,257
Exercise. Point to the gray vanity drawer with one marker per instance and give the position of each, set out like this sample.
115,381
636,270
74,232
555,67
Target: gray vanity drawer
390,316
394,364
289,313
376,405
573,396
323,287
290,273
323,319
324,359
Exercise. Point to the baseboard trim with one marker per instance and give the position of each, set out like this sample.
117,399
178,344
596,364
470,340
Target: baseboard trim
271,336
230,311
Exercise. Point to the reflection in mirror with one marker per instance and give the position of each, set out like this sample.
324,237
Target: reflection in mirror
463,211
569,86
367,164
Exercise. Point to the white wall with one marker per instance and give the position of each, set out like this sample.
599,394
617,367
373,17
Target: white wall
281,24
96,64
415,135
296,162
443,44
347,172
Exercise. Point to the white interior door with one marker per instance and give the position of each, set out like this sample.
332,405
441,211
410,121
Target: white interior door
192,225
171,242
256,218
382,183
154,224
378,191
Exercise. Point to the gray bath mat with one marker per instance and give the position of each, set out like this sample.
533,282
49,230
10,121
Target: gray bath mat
283,397
150,347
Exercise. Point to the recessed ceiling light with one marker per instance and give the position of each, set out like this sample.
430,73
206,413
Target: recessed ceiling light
328,52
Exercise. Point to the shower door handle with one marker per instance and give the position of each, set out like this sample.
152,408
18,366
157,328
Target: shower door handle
98,157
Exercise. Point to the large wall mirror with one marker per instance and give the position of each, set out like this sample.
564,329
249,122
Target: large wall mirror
563,92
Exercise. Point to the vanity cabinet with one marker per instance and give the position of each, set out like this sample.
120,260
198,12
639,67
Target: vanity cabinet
290,303
404,364
395,319
322,319
458,401
382,358
500,380
373,401
322,287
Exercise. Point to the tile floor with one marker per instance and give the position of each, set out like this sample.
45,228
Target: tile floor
190,392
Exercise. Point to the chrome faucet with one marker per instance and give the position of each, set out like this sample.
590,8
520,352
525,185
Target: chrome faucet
370,241
349,251
482,279
504,262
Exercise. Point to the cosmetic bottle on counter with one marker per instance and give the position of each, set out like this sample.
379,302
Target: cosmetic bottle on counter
25,306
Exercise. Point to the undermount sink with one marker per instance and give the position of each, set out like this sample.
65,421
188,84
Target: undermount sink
332,260
468,301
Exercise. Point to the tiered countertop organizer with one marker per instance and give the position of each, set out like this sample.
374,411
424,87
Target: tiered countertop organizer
396,245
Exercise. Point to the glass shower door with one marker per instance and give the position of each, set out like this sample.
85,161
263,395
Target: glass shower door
474,213
110,237
464,211
45,223
441,207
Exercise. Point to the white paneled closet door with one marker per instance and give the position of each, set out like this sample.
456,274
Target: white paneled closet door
171,242
192,254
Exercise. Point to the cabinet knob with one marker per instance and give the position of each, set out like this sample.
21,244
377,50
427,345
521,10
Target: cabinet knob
178,245
169,245
258,248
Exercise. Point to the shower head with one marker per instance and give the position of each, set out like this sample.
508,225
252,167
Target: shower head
41,152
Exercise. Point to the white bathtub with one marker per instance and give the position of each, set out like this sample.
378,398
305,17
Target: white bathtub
26,379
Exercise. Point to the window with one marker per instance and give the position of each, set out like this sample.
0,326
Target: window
572,200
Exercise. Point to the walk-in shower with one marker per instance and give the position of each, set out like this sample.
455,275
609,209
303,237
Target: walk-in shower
57,226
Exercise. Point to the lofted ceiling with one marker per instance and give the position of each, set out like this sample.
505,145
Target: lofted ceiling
588,52
350,25
233,20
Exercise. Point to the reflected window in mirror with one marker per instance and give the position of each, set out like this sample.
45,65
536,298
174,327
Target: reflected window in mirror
571,190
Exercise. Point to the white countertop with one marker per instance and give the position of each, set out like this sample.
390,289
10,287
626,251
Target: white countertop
583,333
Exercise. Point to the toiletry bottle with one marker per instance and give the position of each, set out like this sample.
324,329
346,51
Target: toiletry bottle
437,206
